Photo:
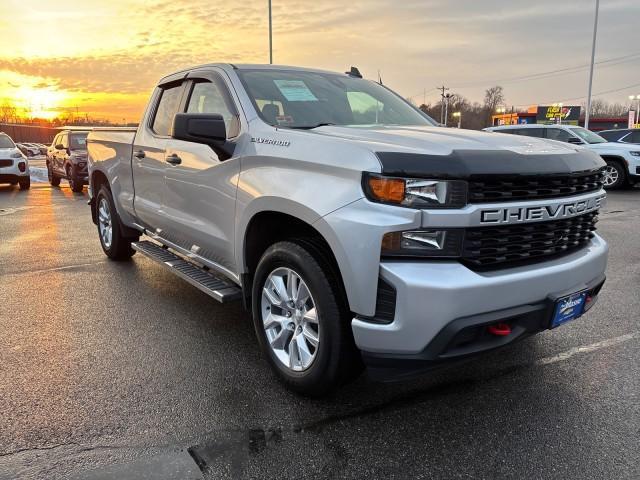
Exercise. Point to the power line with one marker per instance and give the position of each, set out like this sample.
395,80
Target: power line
560,71
606,92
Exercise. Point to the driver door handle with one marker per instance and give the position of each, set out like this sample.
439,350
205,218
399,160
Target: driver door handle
173,159
139,154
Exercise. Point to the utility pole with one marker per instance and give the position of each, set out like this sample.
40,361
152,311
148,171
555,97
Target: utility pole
444,89
270,37
593,56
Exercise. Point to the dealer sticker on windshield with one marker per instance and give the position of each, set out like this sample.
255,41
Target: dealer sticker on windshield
295,91
568,308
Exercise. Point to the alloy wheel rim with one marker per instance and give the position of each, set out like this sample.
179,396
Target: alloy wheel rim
104,223
290,319
610,175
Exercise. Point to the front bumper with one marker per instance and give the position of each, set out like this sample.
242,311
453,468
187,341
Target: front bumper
434,296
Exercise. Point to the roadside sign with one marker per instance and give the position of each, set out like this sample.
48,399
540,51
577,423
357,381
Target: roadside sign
632,118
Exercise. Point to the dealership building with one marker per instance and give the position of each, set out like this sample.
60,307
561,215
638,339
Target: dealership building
551,114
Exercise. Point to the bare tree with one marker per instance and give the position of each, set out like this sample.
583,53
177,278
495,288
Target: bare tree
493,97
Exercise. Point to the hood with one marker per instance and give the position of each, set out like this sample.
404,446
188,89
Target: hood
614,146
442,141
455,153
7,152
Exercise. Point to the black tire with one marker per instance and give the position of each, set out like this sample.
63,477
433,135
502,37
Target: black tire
75,183
54,179
120,246
616,169
337,360
25,184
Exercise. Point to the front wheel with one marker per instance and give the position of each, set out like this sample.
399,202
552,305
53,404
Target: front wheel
614,176
114,244
301,319
25,184
74,182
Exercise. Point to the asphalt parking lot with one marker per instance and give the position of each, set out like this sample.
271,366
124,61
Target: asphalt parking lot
108,368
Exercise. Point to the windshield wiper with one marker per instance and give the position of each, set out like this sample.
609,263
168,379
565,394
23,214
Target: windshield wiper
309,127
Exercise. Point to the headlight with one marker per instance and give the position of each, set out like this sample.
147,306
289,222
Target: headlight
415,192
635,154
423,243
16,155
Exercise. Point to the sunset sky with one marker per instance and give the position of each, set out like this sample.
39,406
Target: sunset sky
103,57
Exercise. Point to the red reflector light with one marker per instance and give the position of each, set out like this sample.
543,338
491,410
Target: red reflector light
22,166
499,329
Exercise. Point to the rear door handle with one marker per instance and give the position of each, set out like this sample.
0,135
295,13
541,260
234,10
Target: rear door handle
173,159
139,154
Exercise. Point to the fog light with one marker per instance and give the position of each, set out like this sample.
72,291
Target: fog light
22,166
424,243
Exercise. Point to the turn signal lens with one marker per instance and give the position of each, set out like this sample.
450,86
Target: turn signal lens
387,189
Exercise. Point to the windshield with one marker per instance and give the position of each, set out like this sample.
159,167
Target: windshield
78,141
587,135
6,142
298,99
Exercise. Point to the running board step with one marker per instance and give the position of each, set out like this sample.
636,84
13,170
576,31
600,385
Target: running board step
221,289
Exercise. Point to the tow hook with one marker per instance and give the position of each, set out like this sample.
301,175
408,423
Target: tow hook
499,329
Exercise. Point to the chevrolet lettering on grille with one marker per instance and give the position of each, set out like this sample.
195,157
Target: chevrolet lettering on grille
540,212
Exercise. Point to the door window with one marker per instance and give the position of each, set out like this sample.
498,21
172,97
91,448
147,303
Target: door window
167,108
531,132
558,134
64,140
210,97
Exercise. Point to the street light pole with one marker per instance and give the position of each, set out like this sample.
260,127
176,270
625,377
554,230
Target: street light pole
459,115
270,37
637,113
593,56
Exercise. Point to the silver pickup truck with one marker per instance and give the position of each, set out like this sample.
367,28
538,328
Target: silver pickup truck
356,230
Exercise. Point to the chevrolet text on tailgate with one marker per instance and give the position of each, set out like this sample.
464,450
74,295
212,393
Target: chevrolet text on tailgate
356,231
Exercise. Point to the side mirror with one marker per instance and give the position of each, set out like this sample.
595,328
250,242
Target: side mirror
207,128
59,146
575,141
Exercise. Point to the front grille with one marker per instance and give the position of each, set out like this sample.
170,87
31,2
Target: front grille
509,245
489,189
6,163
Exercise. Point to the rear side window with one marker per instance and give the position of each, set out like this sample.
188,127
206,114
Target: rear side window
530,132
613,136
558,134
208,97
633,137
167,108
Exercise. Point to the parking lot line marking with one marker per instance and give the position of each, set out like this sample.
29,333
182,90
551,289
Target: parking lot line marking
55,269
610,342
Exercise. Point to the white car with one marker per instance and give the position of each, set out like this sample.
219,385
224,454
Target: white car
623,159
14,166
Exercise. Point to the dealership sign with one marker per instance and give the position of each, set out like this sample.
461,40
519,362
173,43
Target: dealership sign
549,114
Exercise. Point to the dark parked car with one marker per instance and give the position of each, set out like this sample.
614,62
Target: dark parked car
67,158
623,135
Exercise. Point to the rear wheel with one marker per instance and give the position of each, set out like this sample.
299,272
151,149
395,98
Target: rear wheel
301,319
25,184
614,175
114,244
54,180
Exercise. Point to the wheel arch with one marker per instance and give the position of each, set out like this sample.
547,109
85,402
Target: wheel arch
266,227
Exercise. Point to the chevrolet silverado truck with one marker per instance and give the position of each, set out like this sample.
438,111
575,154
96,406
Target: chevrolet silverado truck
356,231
